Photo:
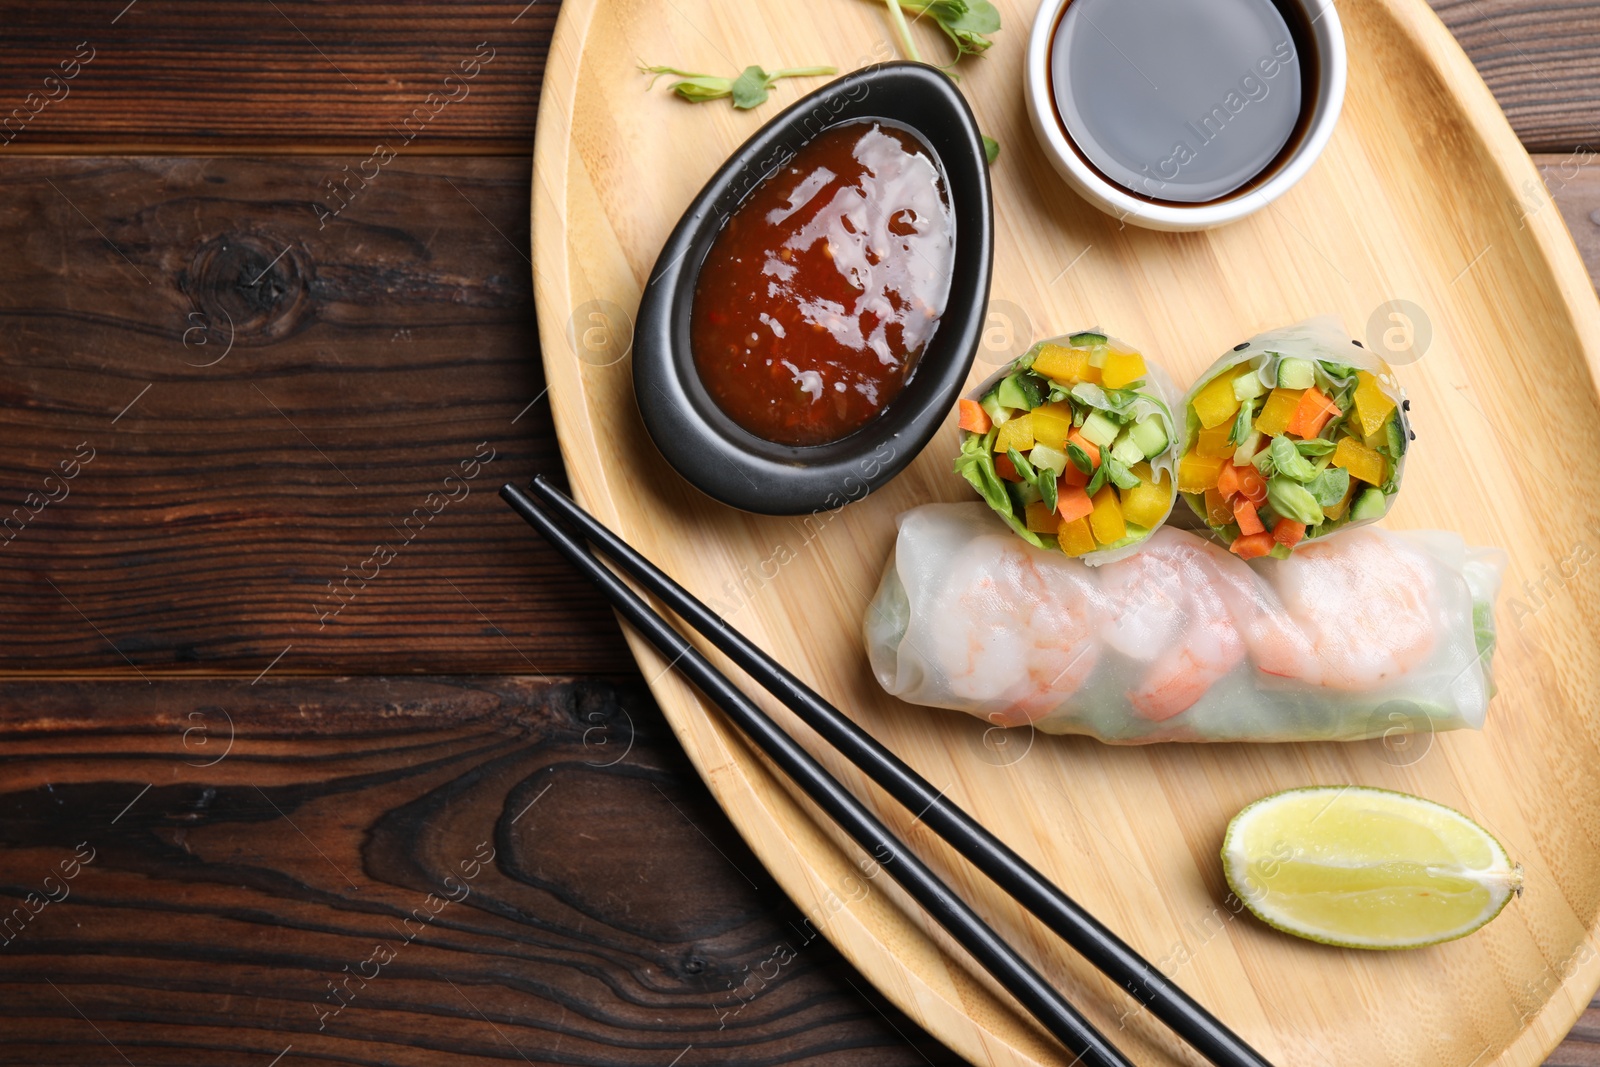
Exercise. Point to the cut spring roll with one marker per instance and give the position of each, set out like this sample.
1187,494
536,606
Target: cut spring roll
1073,445
1293,435
1370,633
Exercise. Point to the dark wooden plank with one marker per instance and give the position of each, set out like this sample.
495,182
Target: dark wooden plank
214,500
229,892
288,75
291,75
1541,59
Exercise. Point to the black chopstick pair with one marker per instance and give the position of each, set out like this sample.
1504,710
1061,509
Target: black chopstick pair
997,861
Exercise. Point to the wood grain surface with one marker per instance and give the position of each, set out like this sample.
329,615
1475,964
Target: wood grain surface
275,869
219,958
303,489
1457,226
300,76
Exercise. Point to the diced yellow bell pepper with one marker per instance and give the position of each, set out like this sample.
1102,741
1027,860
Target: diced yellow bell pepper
1051,425
1377,437
1121,369
1361,461
1066,365
1213,443
1216,404
1146,503
1218,511
1042,519
1197,473
1336,512
1017,434
1106,521
1278,410
1372,406
1075,537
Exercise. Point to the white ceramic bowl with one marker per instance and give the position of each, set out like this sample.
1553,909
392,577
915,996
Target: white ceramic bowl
1327,38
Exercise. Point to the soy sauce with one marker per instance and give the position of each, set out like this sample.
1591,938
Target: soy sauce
1186,101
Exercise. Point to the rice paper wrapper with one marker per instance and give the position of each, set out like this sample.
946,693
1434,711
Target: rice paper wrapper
1157,397
1322,339
1370,633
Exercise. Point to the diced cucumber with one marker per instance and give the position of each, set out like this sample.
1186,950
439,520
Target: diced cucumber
1083,340
1371,504
1097,355
1127,451
999,414
1150,436
1296,373
1099,428
1247,449
1011,395
1248,386
1045,456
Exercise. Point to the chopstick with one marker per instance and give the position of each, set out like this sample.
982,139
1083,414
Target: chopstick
1020,879
1015,974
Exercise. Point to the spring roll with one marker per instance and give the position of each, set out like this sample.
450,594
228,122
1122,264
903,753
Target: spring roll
1295,434
1073,445
1370,633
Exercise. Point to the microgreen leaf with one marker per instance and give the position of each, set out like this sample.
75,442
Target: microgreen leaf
991,149
748,90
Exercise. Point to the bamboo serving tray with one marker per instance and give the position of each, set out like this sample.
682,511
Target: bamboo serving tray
1423,195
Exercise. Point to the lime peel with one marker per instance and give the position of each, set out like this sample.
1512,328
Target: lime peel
1361,867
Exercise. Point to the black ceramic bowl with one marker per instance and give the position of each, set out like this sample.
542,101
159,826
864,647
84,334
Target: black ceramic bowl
704,444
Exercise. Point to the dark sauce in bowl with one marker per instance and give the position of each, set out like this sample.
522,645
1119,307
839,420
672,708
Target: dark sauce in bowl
825,286
1179,100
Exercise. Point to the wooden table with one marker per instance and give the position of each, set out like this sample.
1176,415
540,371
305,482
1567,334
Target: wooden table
280,673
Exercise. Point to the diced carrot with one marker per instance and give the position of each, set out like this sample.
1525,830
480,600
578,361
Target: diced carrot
1073,477
1311,414
1252,546
1077,438
1073,504
973,417
1228,481
1288,533
1244,513
1252,485
1006,469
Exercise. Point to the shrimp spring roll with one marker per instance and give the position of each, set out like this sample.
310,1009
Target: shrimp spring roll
1293,435
1073,446
1365,634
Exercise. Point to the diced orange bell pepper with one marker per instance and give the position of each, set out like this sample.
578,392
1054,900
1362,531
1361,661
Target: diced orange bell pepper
1252,546
973,418
1073,504
1075,537
1006,469
1311,414
1244,513
1288,533
1041,519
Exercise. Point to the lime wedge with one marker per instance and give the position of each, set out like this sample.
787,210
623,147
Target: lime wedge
1366,868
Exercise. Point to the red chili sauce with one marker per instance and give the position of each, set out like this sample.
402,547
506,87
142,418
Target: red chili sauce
825,286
